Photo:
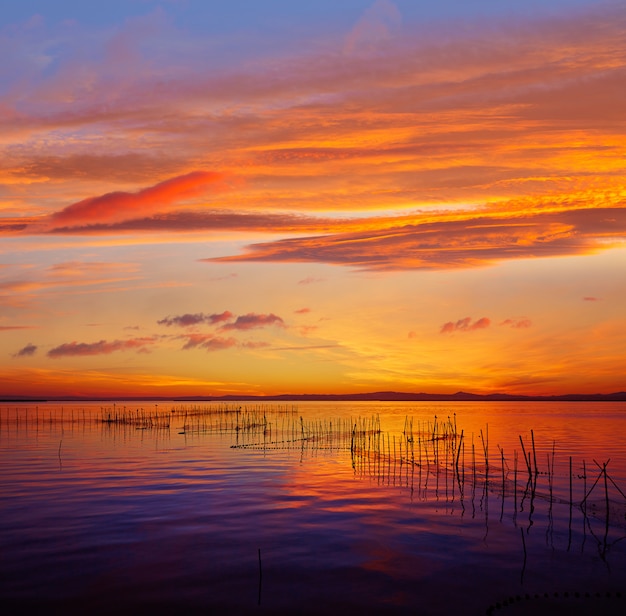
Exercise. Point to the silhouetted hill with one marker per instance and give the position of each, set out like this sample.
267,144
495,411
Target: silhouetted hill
460,396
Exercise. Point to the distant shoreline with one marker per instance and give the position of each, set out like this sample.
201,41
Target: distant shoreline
381,396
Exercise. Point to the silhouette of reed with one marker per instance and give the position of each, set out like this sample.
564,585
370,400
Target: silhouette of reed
430,460
434,458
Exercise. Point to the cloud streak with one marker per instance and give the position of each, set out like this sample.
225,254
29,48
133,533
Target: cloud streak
209,342
8,328
450,244
102,347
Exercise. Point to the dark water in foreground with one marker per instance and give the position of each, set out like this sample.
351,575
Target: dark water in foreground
282,509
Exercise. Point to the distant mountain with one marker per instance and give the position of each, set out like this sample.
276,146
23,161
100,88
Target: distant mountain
379,396
460,396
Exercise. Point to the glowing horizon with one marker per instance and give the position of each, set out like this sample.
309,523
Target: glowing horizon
377,196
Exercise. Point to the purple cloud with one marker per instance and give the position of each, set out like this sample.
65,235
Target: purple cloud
188,320
465,325
28,351
252,321
102,347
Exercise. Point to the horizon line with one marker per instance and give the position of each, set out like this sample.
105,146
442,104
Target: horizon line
376,396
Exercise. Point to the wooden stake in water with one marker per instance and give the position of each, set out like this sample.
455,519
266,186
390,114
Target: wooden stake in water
260,577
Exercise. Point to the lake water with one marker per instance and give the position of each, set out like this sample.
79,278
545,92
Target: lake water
313,508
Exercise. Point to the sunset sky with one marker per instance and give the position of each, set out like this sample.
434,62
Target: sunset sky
245,197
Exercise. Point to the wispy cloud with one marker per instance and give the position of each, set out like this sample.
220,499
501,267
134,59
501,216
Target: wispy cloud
91,276
591,299
209,342
472,240
310,280
311,347
465,325
208,219
102,347
437,108
521,323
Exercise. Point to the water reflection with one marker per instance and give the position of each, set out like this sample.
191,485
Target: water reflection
371,511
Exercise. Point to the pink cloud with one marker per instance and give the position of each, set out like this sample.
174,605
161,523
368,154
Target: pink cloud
118,206
302,311
102,347
252,321
465,325
591,299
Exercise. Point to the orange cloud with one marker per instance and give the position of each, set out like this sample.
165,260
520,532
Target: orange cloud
118,206
416,117
102,347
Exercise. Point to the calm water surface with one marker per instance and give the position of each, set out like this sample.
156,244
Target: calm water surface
282,509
